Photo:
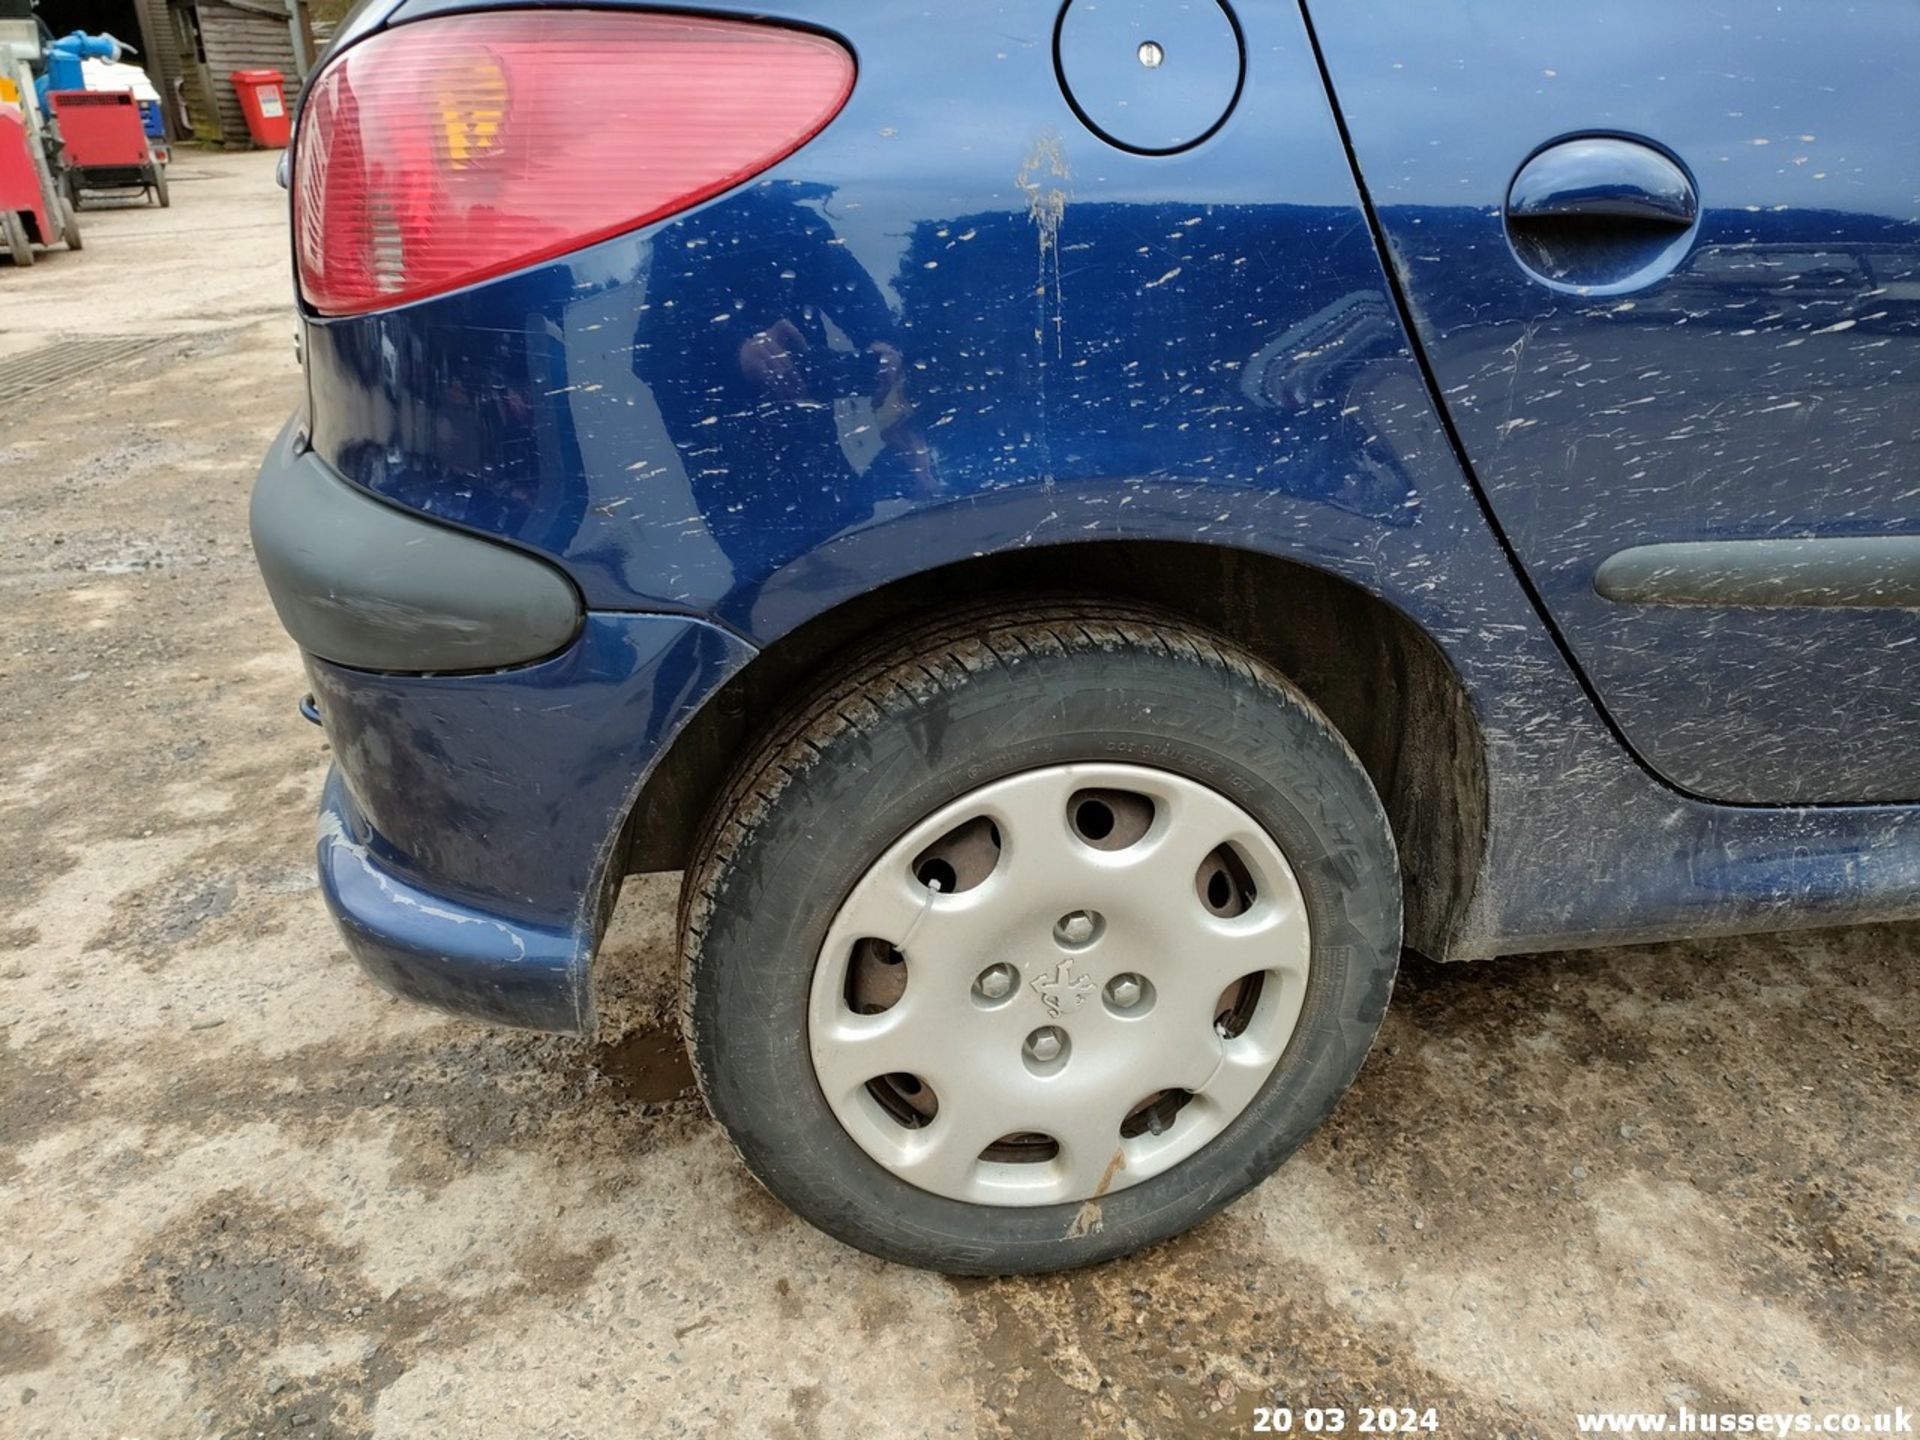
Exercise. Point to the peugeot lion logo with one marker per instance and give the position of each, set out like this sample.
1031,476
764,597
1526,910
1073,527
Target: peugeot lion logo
1063,991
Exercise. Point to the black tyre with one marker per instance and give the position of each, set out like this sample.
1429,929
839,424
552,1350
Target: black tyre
1107,908
14,231
70,225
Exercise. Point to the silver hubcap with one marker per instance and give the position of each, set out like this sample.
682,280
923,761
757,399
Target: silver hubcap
1060,985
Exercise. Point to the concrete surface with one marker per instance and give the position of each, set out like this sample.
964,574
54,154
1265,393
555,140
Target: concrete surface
244,1193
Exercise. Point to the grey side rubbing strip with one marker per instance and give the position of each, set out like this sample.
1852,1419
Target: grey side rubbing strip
363,583
1857,571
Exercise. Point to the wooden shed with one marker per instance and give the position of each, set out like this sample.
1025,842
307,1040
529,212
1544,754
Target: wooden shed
200,43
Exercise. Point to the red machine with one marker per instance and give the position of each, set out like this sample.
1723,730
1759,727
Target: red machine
105,143
24,221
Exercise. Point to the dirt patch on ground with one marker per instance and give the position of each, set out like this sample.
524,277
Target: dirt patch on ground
647,1064
24,1348
246,1194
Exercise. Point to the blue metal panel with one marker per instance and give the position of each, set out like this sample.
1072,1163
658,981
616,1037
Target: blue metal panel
1768,387
956,324
467,837
458,957
952,323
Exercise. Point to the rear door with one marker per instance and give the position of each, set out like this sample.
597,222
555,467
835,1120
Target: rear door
1664,262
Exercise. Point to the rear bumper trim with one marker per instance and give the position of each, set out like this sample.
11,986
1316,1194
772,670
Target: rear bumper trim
364,583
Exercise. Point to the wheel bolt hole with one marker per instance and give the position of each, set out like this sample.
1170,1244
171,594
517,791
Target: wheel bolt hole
1109,819
1094,819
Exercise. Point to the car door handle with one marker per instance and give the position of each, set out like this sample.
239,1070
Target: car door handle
1604,179
1601,215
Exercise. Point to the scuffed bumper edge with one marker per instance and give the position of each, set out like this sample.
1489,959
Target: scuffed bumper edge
471,830
454,957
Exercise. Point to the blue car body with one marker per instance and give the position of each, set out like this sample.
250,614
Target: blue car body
1298,354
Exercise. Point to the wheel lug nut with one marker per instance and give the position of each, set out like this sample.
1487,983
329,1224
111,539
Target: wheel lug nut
995,982
1124,991
1045,1044
1075,929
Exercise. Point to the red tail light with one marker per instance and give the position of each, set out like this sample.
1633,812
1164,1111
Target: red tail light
443,152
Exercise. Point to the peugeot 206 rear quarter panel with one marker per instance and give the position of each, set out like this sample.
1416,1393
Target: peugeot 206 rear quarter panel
1019,343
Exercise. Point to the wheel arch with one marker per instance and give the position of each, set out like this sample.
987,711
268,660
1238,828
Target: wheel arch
1380,679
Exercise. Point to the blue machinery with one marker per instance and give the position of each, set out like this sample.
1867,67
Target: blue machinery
63,56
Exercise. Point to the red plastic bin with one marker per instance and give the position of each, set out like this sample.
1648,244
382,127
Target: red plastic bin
263,98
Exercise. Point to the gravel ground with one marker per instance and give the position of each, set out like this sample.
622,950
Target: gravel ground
244,1193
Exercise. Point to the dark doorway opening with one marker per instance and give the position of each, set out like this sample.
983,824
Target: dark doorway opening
122,20
117,18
